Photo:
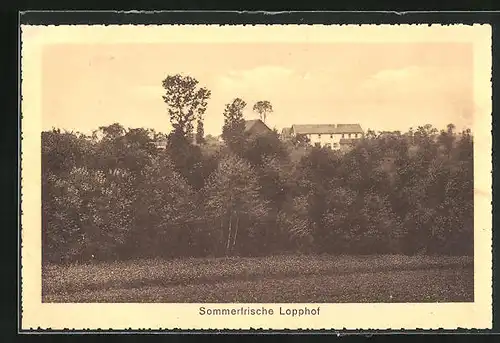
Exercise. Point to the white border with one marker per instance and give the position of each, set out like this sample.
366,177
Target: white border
185,316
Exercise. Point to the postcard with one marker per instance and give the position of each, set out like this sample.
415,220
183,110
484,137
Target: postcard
256,177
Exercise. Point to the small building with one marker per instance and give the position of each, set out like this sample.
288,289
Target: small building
334,136
256,127
161,144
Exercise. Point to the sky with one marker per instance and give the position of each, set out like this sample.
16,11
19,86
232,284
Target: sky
382,86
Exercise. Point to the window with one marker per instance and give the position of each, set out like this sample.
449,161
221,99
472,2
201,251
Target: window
349,135
331,136
343,136
335,145
319,136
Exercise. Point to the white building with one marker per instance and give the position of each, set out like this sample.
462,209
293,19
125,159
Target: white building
333,136
161,144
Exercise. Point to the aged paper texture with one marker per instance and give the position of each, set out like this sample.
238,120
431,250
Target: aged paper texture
355,217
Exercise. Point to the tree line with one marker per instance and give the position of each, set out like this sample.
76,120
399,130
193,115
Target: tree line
115,195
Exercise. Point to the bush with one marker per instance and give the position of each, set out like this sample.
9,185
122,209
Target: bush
114,196
88,215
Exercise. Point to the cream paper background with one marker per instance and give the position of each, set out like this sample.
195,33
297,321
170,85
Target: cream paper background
36,314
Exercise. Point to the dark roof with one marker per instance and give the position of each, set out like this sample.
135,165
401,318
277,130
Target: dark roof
327,128
308,129
349,128
286,131
251,124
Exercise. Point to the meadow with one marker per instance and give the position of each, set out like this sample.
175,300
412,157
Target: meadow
285,278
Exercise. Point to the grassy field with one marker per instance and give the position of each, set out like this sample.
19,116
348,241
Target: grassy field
322,279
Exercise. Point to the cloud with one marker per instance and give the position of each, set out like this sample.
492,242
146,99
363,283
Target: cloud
393,76
267,72
434,94
444,83
254,80
307,76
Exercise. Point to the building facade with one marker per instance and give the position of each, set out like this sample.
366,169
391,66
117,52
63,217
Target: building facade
334,136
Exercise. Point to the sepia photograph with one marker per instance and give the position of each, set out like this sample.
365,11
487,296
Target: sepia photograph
241,172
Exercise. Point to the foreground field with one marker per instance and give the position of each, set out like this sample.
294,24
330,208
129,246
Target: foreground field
268,279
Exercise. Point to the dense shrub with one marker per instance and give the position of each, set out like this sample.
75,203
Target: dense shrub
115,196
88,215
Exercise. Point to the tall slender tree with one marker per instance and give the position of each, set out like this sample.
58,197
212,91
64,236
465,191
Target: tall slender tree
234,124
233,200
186,102
263,108
200,132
